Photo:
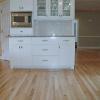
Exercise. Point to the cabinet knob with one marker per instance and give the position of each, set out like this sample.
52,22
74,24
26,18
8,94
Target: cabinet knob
21,46
60,15
21,31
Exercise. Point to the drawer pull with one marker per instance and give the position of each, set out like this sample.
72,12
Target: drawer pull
44,40
65,40
45,49
20,40
45,60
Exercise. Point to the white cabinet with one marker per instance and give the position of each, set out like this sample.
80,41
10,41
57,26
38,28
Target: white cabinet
54,9
67,52
45,62
21,5
42,52
20,53
53,52
45,52
21,31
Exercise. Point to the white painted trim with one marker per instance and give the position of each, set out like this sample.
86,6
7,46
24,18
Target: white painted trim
88,47
0,57
89,36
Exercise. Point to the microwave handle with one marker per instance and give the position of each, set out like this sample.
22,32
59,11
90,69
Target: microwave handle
29,19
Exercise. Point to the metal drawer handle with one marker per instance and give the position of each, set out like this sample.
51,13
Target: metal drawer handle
65,40
44,40
45,49
45,60
20,40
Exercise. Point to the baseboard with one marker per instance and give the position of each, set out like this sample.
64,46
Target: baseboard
1,58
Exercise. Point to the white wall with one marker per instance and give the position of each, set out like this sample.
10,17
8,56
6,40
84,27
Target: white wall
0,33
5,24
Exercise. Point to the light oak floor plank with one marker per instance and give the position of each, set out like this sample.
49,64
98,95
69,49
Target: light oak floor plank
81,84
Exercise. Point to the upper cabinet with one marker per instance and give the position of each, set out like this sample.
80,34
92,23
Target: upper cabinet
54,9
21,5
40,8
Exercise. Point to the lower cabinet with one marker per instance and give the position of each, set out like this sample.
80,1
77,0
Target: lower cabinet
67,53
20,54
24,53
45,61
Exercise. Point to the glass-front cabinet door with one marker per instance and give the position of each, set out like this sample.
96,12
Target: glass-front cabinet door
66,8
54,9
40,9
63,9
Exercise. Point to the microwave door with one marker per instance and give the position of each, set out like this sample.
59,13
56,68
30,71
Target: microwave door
21,20
18,21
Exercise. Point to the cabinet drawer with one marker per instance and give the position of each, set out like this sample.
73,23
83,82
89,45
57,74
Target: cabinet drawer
20,40
45,40
45,50
21,31
67,40
45,61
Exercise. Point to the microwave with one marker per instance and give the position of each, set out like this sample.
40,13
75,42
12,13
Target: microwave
21,19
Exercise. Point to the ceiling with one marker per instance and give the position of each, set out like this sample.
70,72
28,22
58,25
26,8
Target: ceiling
86,5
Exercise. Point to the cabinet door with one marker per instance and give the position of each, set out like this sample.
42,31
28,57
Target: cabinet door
61,9
54,8
27,5
67,53
68,8
25,55
21,5
40,8
14,54
15,5
20,56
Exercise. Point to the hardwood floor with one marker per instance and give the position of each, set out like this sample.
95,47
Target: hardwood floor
81,84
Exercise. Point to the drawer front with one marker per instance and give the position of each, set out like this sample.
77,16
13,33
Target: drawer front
45,61
45,50
67,40
44,40
20,40
21,31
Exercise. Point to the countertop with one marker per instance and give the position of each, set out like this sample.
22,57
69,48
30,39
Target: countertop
41,36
